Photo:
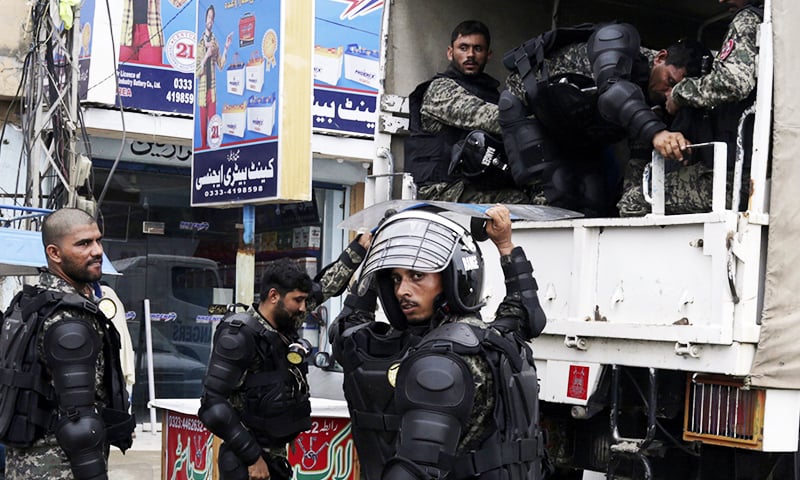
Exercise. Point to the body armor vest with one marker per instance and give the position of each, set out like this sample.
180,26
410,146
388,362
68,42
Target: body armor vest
428,155
28,407
276,400
566,104
370,359
513,448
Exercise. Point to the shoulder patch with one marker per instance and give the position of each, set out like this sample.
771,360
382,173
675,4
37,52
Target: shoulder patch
727,49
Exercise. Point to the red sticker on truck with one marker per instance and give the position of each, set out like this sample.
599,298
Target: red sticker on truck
578,386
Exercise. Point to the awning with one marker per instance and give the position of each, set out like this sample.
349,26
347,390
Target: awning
21,253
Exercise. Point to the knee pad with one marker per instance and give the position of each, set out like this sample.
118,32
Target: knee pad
612,50
523,139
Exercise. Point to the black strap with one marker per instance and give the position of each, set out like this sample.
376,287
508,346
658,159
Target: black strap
266,378
495,455
533,74
500,342
119,425
375,421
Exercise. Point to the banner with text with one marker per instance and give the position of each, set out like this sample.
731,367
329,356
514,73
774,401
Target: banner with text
85,38
157,55
236,129
347,41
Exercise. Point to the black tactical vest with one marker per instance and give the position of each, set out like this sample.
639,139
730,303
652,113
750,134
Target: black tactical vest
277,405
428,155
28,407
513,448
370,357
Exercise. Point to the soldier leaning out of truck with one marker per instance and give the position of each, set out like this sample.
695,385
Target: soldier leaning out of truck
707,108
557,119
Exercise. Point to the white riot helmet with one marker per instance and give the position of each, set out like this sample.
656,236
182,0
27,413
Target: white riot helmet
425,242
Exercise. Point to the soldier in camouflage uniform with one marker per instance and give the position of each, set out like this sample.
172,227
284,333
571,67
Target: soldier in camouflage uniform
77,448
460,99
579,102
428,273
717,97
255,392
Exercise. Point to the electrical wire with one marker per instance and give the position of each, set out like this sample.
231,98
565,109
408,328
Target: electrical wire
122,119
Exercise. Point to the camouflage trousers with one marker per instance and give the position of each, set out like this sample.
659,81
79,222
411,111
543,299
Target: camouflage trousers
462,191
37,463
686,190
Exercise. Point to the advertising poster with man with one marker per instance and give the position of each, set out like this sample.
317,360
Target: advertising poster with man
237,77
157,55
346,66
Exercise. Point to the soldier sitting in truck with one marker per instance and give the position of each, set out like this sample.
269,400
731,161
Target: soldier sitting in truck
444,110
707,108
570,95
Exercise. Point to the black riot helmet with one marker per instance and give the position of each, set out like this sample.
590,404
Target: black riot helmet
425,242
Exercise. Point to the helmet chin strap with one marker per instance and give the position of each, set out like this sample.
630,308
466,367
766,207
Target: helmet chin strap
441,311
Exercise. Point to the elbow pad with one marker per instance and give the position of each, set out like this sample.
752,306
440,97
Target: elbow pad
233,349
223,421
519,277
623,103
361,303
356,310
81,435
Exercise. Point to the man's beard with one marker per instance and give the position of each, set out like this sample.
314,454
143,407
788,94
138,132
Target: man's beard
284,319
79,272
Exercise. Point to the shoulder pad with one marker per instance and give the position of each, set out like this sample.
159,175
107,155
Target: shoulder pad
455,332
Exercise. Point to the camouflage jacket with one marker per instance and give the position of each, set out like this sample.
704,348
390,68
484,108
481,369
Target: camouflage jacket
733,74
446,103
335,277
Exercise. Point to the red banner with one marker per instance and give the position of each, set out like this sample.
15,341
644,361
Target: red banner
325,451
189,452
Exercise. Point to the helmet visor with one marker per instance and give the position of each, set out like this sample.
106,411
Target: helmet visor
423,243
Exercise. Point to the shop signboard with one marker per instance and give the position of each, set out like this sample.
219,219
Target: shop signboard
325,451
157,55
347,66
248,100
